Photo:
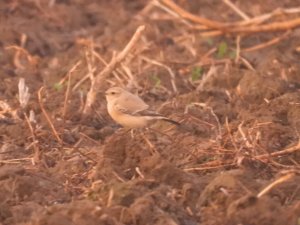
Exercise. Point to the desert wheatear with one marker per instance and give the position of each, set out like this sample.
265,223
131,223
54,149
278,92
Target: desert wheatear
130,110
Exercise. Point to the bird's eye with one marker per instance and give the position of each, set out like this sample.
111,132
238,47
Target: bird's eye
113,93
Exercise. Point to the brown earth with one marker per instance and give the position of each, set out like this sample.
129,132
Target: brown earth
239,126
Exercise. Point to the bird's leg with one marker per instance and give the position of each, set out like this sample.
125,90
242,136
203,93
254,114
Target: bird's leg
148,142
157,131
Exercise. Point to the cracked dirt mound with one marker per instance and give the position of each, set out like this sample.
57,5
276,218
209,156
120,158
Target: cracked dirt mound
240,128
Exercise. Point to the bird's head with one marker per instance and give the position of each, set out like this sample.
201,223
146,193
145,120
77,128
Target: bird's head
113,93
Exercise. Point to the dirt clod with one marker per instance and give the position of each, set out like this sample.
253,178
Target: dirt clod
236,97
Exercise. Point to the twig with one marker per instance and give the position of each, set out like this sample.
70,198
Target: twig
172,13
47,117
66,98
280,153
68,88
245,27
193,169
271,27
211,72
264,17
247,64
275,26
36,156
238,48
132,80
268,43
230,135
186,15
148,142
110,197
116,72
16,59
110,67
15,160
172,74
244,137
237,10
71,70
82,80
138,171
276,182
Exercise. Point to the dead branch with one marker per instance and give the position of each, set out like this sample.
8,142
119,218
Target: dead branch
193,18
98,80
241,27
271,27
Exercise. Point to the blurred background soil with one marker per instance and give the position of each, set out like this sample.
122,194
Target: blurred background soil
241,117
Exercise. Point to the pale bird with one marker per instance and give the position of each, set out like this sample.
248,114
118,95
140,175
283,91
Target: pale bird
130,110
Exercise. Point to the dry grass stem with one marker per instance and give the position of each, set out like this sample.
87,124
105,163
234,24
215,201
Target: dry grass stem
247,64
264,17
36,149
23,93
268,43
211,72
276,182
280,153
249,26
110,197
68,87
244,137
19,52
238,48
204,168
188,16
78,63
138,171
172,74
99,79
148,142
47,117
237,10
172,13
12,161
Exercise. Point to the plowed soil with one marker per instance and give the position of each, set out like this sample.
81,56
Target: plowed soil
240,118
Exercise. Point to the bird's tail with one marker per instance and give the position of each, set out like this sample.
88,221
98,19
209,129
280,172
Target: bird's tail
155,116
170,121
165,119
180,126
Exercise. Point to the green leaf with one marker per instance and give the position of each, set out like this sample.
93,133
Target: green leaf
156,80
222,49
196,73
57,86
209,41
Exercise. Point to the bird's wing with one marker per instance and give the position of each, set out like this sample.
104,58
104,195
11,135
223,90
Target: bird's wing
131,104
152,115
140,112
